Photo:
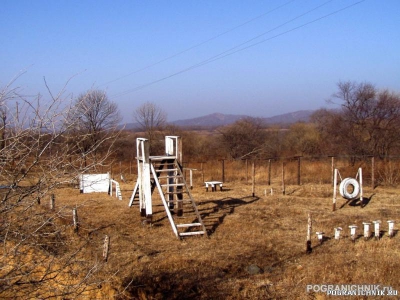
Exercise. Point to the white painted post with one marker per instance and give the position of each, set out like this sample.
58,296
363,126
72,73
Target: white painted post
320,236
191,178
142,148
334,189
337,233
361,185
309,229
391,228
366,230
353,232
376,229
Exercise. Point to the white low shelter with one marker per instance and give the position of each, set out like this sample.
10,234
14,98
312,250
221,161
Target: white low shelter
94,183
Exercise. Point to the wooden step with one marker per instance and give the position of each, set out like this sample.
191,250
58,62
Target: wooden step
188,225
176,192
173,184
191,233
174,176
166,170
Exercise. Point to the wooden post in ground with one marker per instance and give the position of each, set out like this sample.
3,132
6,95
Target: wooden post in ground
223,170
334,189
269,172
332,168
283,179
298,169
75,219
106,247
52,201
373,172
247,171
202,171
253,178
309,229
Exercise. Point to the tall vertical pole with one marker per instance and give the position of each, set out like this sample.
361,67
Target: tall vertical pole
373,172
253,178
298,170
334,189
360,179
283,178
333,169
223,170
247,171
269,172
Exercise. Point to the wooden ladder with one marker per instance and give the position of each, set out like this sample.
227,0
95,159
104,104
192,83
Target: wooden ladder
179,205
181,209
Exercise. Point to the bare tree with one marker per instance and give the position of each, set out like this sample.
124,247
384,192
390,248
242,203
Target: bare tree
152,121
37,258
245,138
366,124
94,116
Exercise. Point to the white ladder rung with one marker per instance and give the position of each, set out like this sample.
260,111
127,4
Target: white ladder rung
191,233
188,225
173,184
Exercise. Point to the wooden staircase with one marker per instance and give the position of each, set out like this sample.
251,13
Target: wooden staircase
165,174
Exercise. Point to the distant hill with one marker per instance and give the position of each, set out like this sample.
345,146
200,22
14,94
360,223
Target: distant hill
213,120
218,119
289,118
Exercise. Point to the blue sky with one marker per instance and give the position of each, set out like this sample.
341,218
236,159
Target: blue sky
138,51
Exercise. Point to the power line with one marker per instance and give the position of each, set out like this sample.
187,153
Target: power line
230,52
198,45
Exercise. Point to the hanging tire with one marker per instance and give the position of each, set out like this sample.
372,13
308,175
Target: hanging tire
343,188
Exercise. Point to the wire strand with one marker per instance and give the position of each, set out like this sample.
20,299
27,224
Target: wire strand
230,52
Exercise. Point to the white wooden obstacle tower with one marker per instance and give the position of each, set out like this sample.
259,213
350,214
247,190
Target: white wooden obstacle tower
165,174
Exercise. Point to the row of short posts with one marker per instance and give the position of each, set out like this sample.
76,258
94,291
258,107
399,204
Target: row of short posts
353,235
367,230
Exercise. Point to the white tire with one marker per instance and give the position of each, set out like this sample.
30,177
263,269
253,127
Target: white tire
343,188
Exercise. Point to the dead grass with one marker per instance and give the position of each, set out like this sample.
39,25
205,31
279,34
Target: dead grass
268,231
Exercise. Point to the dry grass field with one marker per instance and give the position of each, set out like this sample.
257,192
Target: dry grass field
255,248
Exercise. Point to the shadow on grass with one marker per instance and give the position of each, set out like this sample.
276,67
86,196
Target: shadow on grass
357,202
214,216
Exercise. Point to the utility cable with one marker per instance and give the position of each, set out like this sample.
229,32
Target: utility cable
197,45
230,52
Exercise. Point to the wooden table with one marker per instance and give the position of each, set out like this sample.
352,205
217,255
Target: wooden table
213,185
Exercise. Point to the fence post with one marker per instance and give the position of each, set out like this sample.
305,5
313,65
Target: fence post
106,247
75,219
269,171
334,189
373,172
52,201
223,169
253,177
283,178
298,169
247,171
309,228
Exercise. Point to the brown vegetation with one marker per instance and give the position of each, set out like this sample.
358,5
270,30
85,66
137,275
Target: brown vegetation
245,233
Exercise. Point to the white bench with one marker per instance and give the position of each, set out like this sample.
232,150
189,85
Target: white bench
213,185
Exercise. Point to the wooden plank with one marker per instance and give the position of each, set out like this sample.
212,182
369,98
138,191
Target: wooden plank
191,233
188,225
